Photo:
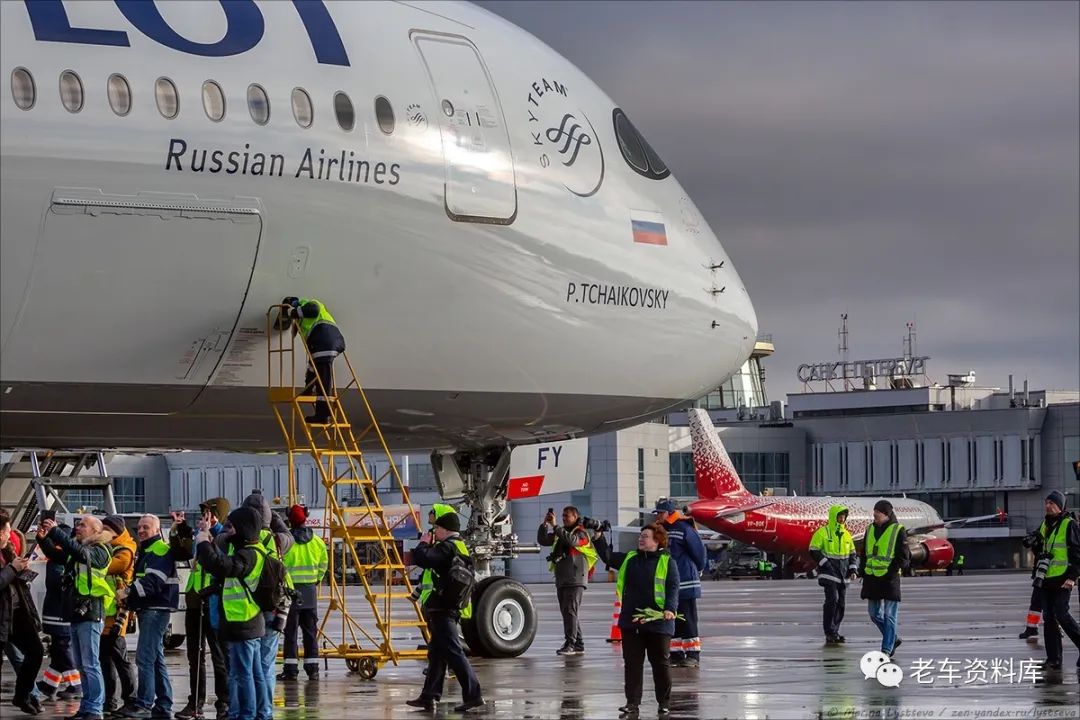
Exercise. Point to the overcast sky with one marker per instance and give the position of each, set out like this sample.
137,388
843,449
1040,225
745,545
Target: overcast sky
908,161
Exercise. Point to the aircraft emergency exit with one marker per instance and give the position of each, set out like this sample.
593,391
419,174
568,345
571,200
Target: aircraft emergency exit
508,258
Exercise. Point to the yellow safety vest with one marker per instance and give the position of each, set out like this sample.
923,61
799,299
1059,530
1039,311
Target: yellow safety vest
1055,545
94,582
659,581
307,562
587,550
881,551
236,600
427,578
307,324
198,580
110,600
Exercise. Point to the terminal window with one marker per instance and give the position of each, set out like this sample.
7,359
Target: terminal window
128,492
758,470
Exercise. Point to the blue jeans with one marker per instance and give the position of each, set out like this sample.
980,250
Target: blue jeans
155,688
884,613
16,659
268,647
85,644
247,682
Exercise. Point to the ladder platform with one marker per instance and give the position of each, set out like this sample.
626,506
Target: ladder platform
340,453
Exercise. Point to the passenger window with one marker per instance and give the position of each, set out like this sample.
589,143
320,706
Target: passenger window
343,109
22,88
71,91
166,97
213,100
119,93
258,104
637,153
301,108
384,114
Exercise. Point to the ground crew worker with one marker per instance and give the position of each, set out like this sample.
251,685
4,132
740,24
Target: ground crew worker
88,558
306,562
1061,555
884,556
647,580
199,630
572,560
436,552
688,552
837,565
242,623
115,664
154,596
325,342
960,565
61,666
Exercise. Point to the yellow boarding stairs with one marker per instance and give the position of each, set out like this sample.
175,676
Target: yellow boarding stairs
328,445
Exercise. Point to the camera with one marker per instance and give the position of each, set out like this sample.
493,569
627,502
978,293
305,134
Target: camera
1030,540
605,526
1041,569
281,613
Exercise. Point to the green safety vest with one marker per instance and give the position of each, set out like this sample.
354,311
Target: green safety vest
659,582
94,582
1055,545
587,550
266,539
236,600
881,551
110,600
307,324
198,580
427,578
960,561
307,562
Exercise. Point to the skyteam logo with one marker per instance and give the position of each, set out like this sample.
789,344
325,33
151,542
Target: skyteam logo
564,139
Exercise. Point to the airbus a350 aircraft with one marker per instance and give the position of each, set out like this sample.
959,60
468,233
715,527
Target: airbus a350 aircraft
507,257
784,525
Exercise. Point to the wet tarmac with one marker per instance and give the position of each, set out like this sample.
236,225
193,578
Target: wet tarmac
763,657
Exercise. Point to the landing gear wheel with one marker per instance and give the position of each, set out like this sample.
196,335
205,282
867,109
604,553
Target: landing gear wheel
367,667
504,618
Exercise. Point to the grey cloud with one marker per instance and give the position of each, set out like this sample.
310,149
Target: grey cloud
890,160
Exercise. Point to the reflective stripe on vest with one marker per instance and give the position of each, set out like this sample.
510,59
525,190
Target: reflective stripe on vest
236,600
659,581
1056,546
308,324
306,562
881,551
92,581
587,551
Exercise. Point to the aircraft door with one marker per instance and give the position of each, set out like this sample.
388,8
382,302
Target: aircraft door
124,290
480,184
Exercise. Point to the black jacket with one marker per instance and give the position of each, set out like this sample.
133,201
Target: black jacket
13,589
247,523
886,587
93,552
638,590
1072,548
56,607
437,557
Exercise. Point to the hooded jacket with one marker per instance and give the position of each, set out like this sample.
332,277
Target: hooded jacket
14,591
688,552
246,523
122,568
886,587
92,551
833,550
276,527
55,607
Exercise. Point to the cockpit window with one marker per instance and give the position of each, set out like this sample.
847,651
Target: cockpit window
637,153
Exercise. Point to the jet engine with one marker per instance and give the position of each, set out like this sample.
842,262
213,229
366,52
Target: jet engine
931,553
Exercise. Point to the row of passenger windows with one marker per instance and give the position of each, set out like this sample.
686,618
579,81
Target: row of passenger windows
167,97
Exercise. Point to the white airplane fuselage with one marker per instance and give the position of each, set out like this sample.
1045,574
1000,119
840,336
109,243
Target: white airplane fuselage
478,252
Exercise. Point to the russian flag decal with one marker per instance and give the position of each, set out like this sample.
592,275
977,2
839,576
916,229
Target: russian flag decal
648,227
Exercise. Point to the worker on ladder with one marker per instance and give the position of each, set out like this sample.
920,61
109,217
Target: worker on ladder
325,342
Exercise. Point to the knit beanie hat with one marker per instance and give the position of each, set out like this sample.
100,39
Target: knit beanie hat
449,521
298,516
1057,498
114,523
884,507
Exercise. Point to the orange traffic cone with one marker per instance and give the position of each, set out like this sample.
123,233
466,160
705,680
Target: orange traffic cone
616,633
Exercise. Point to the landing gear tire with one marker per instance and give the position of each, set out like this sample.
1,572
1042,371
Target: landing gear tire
504,620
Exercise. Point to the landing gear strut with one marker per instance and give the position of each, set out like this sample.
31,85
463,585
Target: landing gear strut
503,622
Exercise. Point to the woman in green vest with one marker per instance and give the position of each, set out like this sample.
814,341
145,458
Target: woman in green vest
884,555
648,581
1061,558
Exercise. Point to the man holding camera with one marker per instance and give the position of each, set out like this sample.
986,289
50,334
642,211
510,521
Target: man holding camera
1056,572
87,557
113,652
571,560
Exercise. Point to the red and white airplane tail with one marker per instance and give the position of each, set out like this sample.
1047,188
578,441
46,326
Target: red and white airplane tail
714,473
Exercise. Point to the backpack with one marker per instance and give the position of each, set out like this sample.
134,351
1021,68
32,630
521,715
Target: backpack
271,589
457,585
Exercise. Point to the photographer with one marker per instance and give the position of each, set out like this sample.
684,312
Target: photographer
19,621
572,560
1057,571
87,558
114,653
54,623
1033,542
